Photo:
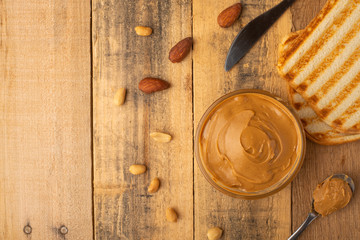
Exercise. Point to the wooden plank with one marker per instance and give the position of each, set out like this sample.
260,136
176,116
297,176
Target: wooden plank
45,121
322,161
268,218
123,208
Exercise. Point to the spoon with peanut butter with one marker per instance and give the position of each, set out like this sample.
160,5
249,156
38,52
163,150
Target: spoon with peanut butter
332,194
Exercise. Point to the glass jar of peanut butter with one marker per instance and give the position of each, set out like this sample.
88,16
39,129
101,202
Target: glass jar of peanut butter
249,144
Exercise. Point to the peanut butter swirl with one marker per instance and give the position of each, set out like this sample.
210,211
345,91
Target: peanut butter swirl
331,195
249,142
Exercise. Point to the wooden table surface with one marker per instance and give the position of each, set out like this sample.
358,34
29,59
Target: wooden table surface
65,148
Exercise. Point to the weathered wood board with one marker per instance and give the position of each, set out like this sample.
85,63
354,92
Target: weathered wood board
51,112
45,119
123,208
268,218
323,161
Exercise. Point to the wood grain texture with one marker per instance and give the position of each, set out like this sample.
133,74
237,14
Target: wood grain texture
123,208
45,121
268,218
322,161
45,125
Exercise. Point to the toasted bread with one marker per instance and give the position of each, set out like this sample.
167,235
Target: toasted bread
322,63
316,129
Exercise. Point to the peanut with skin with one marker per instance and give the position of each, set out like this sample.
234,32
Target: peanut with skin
228,17
149,85
154,185
171,215
214,233
180,50
137,169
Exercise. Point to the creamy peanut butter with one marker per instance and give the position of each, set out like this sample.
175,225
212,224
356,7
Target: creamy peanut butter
331,195
250,142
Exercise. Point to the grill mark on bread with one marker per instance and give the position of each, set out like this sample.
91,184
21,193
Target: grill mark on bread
304,123
311,34
297,106
329,60
338,75
337,65
324,112
288,76
329,80
326,36
284,45
334,104
355,128
352,109
341,91
305,34
346,103
314,99
329,48
353,121
316,129
301,88
337,122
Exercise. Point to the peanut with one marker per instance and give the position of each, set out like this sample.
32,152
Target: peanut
214,233
137,169
160,137
119,97
171,215
143,31
154,185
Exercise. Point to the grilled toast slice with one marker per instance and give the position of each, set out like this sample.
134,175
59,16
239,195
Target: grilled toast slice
322,63
316,129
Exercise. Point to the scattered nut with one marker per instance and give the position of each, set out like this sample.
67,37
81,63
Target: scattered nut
227,17
119,97
143,31
150,85
154,185
180,50
160,137
171,215
214,233
137,169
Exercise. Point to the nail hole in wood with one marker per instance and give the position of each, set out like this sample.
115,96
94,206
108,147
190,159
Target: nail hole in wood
63,230
27,229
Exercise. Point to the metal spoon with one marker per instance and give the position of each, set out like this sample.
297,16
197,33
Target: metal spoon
313,214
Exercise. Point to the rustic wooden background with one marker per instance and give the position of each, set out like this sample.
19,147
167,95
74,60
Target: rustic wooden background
65,148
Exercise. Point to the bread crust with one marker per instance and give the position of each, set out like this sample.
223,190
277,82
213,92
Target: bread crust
330,137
